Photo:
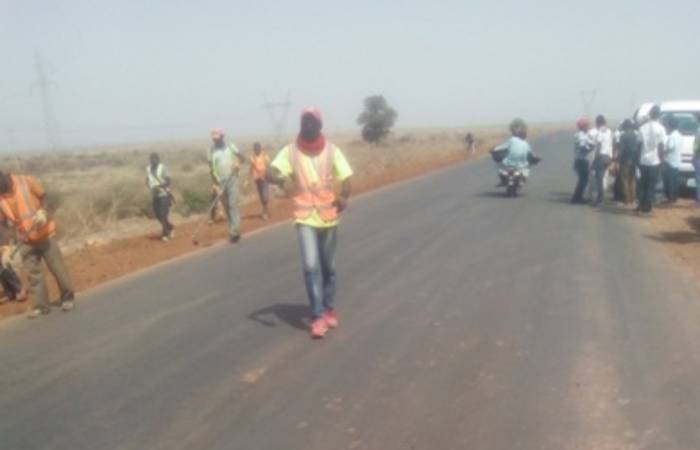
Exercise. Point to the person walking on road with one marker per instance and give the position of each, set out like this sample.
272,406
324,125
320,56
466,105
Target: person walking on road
653,136
158,181
470,143
316,166
627,158
672,160
696,163
22,205
259,164
225,162
603,157
583,145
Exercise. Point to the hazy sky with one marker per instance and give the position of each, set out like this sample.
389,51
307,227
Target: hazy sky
128,70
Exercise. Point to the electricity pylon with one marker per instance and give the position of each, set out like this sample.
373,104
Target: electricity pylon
44,85
278,112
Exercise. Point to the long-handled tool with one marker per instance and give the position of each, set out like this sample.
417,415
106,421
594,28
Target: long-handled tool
195,234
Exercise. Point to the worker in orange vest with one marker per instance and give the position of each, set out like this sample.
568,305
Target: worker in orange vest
258,172
316,165
22,205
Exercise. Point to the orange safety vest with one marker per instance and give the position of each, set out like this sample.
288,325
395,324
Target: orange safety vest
259,165
315,192
22,216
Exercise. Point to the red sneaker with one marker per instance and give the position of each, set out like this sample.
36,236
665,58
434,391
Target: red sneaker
331,318
319,328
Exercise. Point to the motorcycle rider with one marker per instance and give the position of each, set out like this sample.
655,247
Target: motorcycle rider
518,153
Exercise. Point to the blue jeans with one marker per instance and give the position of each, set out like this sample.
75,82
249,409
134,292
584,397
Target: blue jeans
696,165
317,247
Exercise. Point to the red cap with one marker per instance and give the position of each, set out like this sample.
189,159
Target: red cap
583,123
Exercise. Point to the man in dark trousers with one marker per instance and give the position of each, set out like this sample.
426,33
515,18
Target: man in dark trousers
627,158
158,182
583,145
653,136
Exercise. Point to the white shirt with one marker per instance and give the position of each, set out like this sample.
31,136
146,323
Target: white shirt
673,149
593,136
582,145
652,134
604,142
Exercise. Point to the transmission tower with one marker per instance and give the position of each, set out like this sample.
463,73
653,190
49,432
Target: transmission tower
278,112
44,85
588,97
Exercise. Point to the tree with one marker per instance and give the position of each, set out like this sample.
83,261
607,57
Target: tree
377,119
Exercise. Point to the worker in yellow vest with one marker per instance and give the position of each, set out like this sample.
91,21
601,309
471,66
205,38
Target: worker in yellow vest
259,163
316,165
22,205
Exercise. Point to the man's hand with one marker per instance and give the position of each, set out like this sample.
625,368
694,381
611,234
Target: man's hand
341,203
6,252
40,218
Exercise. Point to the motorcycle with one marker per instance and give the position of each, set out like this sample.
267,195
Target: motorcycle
512,178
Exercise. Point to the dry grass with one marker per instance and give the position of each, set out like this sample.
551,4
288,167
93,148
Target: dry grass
94,191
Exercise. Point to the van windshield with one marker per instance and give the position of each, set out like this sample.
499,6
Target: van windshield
687,122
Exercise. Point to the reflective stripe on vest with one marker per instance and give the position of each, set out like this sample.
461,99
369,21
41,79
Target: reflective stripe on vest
27,205
315,184
155,180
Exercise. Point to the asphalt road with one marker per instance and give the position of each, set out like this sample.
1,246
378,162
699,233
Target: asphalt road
469,321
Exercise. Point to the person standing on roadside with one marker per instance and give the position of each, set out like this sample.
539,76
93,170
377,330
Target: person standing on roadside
316,165
158,181
672,160
603,156
653,136
583,145
225,163
23,206
259,164
696,162
627,158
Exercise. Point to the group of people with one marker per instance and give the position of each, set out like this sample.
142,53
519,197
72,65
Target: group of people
225,161
310,167
637,154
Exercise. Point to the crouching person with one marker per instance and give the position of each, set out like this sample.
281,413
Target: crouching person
22,205
11,284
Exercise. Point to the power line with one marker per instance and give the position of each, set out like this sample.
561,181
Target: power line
44,85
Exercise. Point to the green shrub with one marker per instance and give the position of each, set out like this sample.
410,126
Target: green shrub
194,200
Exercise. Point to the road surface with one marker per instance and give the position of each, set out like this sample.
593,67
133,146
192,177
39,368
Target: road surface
469,321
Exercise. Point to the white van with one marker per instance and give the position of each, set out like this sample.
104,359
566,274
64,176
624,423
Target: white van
688,114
